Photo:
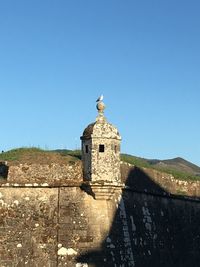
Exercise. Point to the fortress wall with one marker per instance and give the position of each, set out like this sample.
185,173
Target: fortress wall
42,227
157,182
163,231
28,220
52,173
140,179
134,229
84,223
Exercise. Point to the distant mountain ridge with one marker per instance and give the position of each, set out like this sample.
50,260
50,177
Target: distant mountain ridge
178,164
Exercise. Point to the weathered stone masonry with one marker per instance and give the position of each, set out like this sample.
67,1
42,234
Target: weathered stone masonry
65,226
53,215
101,150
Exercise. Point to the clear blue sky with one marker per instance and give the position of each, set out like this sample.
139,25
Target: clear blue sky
57,57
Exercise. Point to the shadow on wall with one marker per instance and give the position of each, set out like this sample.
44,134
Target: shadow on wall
3,170
141,181
150,229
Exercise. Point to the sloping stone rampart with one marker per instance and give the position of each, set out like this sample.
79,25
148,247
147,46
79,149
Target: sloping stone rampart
156,182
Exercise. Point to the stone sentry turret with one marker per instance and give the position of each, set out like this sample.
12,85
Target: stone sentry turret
101,150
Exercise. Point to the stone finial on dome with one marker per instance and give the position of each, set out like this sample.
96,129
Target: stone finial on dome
100,106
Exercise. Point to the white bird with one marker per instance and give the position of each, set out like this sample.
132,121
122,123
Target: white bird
100,98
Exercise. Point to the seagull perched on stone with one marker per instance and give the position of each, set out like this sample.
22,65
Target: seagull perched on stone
100,98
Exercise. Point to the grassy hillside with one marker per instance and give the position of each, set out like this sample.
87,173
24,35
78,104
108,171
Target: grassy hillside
66,152
36,155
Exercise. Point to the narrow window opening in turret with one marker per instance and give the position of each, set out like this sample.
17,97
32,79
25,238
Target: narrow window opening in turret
101,148
86,149
115,149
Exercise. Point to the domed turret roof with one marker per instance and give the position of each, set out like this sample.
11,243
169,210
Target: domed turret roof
101,128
